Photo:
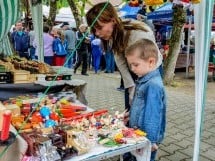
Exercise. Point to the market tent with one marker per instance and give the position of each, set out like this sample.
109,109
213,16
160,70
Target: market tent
9,14
128,12
164,12
203,19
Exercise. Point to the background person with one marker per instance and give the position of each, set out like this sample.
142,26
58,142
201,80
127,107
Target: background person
82,48
47,44
71,40
60,48
97,51
20,40
32,48
109,61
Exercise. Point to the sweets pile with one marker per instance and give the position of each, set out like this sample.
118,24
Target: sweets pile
57,127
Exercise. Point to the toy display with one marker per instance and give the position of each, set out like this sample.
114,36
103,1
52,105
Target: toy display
56,126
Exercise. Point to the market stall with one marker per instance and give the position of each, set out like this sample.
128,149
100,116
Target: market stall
57,126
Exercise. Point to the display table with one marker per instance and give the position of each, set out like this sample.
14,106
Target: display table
99,152
12,90
182,60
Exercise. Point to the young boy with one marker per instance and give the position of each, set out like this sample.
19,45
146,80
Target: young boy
148,108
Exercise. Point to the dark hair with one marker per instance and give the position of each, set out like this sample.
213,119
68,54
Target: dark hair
146,47
45,28
107,14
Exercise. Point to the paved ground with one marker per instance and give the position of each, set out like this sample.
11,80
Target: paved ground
178,144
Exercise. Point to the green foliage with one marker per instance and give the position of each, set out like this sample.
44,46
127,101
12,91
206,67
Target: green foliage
62,3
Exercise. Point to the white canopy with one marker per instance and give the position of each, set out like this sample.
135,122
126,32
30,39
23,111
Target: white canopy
63,15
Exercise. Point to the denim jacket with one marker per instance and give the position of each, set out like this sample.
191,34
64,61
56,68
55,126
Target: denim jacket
20,42
148,109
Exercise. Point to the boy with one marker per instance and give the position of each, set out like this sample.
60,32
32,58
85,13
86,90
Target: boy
148,108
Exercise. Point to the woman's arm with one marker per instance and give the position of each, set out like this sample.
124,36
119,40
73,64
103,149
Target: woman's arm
121,63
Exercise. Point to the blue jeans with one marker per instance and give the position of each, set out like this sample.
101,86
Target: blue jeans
110,64
47,59
153,155
96,61
69,58
32,53
129,157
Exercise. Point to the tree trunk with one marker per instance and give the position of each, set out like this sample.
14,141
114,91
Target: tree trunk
74,10
179,18
52,13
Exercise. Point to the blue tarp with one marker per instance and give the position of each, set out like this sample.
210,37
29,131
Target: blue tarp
128,12
164,12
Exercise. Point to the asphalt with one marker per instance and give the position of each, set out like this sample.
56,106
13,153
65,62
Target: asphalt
178,144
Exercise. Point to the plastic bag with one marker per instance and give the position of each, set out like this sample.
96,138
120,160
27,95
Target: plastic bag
153,2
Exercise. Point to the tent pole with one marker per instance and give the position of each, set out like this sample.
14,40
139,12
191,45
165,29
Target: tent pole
188,46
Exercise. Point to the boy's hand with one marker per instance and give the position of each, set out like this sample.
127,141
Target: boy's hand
154,147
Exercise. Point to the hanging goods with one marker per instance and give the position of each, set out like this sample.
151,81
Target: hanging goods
153,2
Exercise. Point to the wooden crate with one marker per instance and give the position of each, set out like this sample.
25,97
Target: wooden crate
21,76
32,78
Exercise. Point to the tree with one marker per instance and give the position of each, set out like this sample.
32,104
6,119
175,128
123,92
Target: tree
52,13
78,9
75,12
179,19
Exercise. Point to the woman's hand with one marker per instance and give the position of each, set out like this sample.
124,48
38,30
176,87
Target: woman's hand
126,117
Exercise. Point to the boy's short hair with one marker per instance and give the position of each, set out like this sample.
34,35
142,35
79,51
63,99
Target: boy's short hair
146,47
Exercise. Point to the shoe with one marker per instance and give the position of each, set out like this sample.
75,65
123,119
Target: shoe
120,89
85,74
106,72
75,71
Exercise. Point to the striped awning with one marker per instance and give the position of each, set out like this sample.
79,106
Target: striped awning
9,14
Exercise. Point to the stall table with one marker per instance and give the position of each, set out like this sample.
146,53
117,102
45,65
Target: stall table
8,91
182,60
100,152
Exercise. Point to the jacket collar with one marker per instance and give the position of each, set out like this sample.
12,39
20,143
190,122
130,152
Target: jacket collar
148,76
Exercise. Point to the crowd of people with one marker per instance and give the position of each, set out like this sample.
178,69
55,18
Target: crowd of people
64,46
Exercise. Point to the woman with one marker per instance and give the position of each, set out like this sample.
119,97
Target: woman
119,35
47,44
60,48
